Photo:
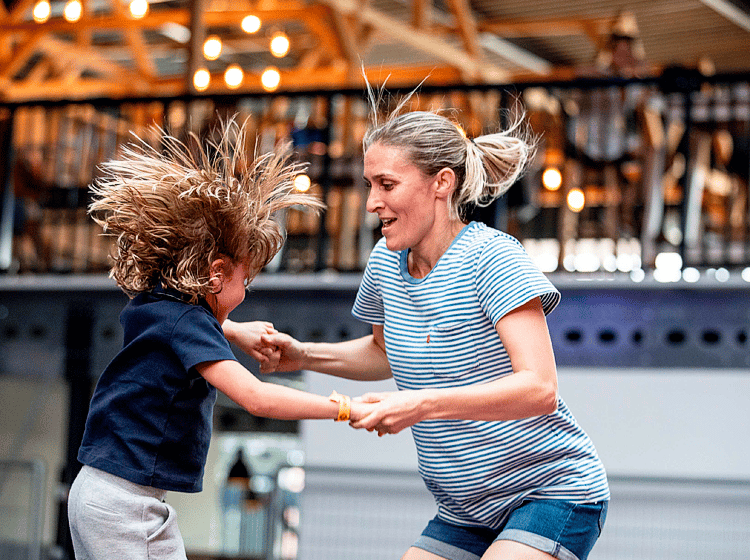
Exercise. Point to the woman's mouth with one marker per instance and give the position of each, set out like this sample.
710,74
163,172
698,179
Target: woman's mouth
387,221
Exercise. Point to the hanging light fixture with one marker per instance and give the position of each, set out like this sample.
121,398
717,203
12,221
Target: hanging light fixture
270,78
279,44
552,178
72,11
42,11
576,200
233,76
250,24
302,182
201,79
138,8
212,47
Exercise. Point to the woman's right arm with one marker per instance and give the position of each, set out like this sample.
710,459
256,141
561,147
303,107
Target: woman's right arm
363,359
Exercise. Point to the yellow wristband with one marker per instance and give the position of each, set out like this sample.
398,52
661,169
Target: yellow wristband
345,406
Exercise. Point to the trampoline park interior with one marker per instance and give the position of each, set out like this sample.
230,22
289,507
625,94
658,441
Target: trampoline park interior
636,206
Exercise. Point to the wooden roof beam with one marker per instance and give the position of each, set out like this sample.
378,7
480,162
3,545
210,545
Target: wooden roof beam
20,10
332,78
85,58
473,68
467,25
20,57
137,44
730,11
558,27
420,13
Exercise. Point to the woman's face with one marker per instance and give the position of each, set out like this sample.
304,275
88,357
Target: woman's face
401,195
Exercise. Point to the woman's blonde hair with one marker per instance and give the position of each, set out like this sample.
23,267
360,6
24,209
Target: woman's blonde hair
485,167
174,211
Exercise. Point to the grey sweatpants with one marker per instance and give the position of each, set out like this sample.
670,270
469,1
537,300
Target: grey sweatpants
114,518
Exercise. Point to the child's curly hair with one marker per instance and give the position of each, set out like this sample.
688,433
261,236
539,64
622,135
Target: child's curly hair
174,212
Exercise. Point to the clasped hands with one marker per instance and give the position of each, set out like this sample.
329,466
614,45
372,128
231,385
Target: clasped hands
383,412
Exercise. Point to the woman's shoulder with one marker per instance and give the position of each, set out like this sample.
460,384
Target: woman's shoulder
485,240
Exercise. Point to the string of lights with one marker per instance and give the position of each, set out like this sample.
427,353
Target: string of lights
234,75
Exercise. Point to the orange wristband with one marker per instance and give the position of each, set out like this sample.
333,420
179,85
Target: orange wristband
345,406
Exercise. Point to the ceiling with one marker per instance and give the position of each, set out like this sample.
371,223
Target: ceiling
108,53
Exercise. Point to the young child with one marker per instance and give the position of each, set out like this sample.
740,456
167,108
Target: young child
193,227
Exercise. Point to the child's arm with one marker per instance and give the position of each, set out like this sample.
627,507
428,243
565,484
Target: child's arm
247,337
270,400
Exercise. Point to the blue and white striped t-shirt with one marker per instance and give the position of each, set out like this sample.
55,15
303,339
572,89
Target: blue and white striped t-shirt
439,332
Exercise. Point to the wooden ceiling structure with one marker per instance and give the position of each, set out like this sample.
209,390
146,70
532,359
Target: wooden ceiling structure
109,54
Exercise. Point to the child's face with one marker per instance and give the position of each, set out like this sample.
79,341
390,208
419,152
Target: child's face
232,292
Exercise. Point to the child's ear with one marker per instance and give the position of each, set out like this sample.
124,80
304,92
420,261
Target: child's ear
218,267
216,275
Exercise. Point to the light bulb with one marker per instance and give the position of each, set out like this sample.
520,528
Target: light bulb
302,183
139,8
212,47
576,200
72,11
250,24
42,11
270,78
279,45
552,179
201,79
233,76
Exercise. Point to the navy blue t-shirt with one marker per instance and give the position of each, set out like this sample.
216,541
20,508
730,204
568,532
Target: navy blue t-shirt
151,413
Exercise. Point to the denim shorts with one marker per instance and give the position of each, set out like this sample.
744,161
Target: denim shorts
564,530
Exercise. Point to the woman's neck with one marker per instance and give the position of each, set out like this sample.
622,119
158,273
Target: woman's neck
423,258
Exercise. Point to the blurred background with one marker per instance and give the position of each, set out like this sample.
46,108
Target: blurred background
636,206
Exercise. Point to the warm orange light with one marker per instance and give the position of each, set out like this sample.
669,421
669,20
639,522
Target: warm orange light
201,79
139,8
42,11
233,76
302,183
576,200
73,10
212,47
279,45
250,24
552,179
270,78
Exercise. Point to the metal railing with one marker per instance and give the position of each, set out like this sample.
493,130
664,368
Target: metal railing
22,498
662,165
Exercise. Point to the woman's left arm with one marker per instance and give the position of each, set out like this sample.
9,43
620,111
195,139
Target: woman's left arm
530,391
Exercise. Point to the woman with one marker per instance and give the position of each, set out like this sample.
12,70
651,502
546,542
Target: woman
458,319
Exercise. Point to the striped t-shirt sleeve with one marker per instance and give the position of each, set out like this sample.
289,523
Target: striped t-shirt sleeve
507,278
368,305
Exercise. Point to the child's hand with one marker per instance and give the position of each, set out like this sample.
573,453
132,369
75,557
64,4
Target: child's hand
247,336
292,351
271,356
359,410
390,412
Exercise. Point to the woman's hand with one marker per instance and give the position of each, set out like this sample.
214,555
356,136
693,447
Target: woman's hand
291,352
392,411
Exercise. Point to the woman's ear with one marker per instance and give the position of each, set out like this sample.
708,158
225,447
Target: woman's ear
445,182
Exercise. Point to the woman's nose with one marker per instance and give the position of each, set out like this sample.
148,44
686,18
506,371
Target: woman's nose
373,201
